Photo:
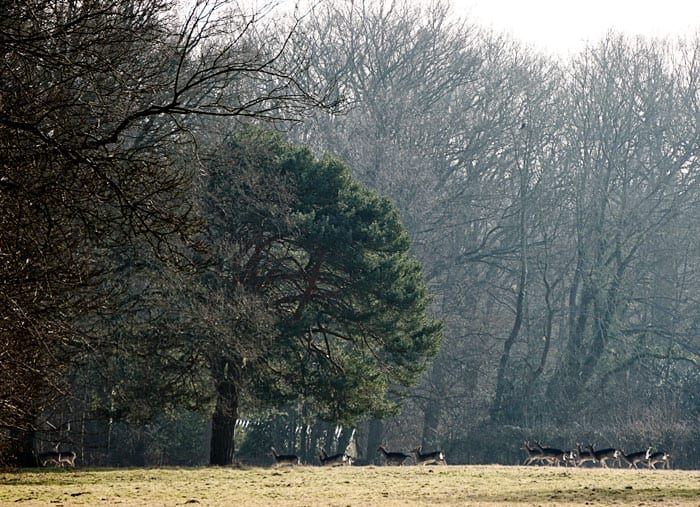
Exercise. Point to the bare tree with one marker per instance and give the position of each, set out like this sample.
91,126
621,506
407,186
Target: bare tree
94,107
631,154
399,64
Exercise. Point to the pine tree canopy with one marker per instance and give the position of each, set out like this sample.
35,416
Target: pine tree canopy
330,259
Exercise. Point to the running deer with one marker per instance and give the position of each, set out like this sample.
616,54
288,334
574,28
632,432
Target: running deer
284,459
336,460
569,458
602,455
532,454
429,458
618,458
636,458
392,458
659,457
552,455
57,458
584,455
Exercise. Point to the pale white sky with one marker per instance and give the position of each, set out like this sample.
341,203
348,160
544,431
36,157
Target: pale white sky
562,26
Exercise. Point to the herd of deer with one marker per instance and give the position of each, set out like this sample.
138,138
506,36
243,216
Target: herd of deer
553,456
535,454
57,458
342,459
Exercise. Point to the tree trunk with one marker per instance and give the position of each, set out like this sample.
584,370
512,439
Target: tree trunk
375,432
24,455
431,417
225,415
501,409
502,396
18,442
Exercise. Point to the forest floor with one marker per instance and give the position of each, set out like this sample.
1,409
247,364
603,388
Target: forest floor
492,485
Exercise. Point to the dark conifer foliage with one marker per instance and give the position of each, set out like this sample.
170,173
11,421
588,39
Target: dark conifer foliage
95,158
327,260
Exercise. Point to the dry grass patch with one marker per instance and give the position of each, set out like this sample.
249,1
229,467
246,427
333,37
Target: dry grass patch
351,486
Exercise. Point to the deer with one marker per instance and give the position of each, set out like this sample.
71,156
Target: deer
635,458
429,458
569,458
602,455
335,460
584,455
284,459
552,455
659,457
536,454
618,458
532,454
392,458
57,458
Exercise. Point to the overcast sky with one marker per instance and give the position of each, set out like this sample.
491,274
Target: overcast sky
562,26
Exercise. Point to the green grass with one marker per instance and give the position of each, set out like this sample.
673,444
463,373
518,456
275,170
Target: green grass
351,486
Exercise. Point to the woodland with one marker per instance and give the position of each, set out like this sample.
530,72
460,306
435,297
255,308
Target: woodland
227,227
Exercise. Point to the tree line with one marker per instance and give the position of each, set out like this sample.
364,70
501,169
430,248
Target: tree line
170,265
552,204
150,267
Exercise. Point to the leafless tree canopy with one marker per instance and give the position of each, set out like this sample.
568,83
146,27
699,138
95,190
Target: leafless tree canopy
96,139
553,206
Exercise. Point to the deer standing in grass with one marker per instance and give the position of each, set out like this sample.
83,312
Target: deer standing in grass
284,459
335,460
429,458
392,458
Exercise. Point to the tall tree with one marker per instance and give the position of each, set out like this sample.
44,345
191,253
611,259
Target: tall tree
541,198
328,261
400,64
449,101
94,98
631,155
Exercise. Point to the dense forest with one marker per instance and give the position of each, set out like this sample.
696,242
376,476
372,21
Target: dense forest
225,228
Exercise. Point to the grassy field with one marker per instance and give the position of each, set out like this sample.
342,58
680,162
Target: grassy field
351,486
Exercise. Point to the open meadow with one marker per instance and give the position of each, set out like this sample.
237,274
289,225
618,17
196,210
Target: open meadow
492,485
